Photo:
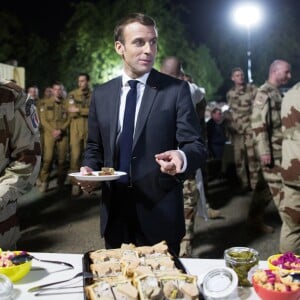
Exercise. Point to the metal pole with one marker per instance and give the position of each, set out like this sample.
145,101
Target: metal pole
249,53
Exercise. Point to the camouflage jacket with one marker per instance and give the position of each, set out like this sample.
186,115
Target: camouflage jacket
240,101
20,151
81,99
266,122
290,117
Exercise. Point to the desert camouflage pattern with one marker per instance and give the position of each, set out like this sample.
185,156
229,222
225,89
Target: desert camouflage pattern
190,198
265,120
190,192
20,156
54,115
240,101
290,205
79,125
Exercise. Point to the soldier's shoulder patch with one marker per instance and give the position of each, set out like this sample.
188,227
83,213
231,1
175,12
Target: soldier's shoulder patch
31,115
261,98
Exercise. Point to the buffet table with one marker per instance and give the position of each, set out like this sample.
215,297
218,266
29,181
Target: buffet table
42,273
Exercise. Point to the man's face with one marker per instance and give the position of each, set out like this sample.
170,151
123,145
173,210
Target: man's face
283,74
82,82
48,92
33,92
238,78
171,67
57,91
217,116
139,49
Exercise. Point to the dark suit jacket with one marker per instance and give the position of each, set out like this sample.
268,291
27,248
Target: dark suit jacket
166,121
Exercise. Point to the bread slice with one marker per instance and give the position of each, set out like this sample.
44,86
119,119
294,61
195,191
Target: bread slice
103,255
181,286
119,290
106,269
148,287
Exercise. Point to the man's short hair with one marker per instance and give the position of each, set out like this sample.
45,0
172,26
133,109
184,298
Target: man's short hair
237,69
132,18
86,75
216,109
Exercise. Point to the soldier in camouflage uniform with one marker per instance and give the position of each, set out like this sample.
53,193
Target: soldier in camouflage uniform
20,156
290,205
79,103
240,98
47,94
55,121
172,67
266,125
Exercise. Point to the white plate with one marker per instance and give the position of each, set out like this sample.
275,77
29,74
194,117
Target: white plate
96,177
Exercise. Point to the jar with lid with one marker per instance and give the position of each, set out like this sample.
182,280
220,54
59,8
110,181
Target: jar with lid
220,284
244,261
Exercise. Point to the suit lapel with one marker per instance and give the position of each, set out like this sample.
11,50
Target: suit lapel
113,111
150,92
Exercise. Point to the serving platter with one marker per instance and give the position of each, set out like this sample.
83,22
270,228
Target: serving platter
87,261
96,177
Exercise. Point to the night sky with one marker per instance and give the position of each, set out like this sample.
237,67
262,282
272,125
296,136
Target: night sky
46,18
200,16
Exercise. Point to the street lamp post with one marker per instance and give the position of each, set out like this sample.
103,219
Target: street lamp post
247,14
249,54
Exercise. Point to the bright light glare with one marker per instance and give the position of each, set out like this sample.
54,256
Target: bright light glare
247,14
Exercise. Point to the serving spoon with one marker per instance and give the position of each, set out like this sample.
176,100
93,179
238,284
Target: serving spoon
24,257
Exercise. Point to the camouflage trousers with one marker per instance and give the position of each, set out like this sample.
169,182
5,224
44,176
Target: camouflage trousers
247,166
261,198
290,205
290,214
274,180
268,188
190,198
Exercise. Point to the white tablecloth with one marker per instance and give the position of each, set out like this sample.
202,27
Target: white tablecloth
42,273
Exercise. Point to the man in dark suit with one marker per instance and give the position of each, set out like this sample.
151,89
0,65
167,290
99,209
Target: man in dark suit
148,207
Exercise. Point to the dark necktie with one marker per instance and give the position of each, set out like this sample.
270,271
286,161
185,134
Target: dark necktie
126,137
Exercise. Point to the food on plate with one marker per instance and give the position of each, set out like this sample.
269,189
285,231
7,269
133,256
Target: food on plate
287,261
180,286
13,271
148,287
106,171
112,290
275,280
149,270
7,256
106,269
